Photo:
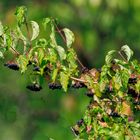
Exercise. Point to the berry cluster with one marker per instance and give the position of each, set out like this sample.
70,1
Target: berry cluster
114,114
54,86
34,87
78,85
89,94
132,92
132,80
12,66
36,69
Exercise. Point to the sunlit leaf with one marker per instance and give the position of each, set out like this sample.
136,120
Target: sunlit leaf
8,41
128,52
20,34
1,55
54,74
109,56
71,59
21,15
61,52
1,29
69,37
40,55
64,79
53,42
46,21
52,55
22,62
35,28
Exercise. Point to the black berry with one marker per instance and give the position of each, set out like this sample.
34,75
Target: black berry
89,94
114,114
54,86
12,66
34,87
29,63
132,92
132,80
78,85
36,68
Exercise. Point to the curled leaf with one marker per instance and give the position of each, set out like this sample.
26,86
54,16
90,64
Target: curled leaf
109,56
61,52
128,52
22,62
35,28
69,37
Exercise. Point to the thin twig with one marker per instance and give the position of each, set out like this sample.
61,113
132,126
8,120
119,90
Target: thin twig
64,39
80,62
77,79
59,31
17,53
80,80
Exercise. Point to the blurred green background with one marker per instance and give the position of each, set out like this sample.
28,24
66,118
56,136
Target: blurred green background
99,26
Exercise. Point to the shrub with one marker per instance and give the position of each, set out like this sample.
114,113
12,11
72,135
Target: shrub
113,112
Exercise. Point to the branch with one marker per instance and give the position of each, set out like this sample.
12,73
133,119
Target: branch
16,52
64,39
80,80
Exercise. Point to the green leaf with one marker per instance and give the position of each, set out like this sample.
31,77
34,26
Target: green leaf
54,74
71,60
8,40
37,52
42,42
61,52
35,28
52,55
117,81
46,21
127,51
124,77
137,86
22,62
20,34
1,55
64,80
69,37
95,87
41,54
109,56
21,15
53,42
1,29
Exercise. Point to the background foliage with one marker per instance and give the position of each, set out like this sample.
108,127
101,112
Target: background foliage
99,25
